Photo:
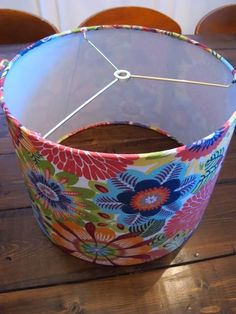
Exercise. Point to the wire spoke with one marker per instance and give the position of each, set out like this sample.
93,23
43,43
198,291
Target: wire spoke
79,108
157,78
101,53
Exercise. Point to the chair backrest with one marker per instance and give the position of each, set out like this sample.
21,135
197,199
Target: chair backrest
133,16
221,20
18,27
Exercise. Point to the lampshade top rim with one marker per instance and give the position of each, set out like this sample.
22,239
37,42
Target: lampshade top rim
229,122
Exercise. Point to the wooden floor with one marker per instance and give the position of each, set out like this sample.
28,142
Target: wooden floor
37,277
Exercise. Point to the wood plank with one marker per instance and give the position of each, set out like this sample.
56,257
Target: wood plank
13,194
9,51
122,139
6,146
206,287
216,41
228,171
229,55
29,259
3,130
9,168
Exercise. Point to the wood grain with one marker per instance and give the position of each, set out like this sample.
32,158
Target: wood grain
123,139
29,259
217,42
6,146
176,290
9,51
13,194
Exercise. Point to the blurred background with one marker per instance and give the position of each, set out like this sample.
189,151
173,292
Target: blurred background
68,14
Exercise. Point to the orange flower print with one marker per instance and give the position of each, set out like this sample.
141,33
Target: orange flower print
100,245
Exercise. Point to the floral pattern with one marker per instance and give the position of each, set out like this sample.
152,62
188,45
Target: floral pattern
56,193
148,197
100,245
118,209
136,197
202,147
82,163
50,192
190,215
176,241
19,138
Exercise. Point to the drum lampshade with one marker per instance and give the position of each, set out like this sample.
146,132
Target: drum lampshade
118,208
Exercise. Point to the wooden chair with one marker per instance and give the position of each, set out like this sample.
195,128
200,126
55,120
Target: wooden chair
133,16
17,27
221,20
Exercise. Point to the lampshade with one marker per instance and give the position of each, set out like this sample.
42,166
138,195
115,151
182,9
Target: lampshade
119,208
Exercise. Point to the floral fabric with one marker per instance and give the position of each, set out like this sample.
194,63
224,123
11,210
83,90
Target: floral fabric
118,209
